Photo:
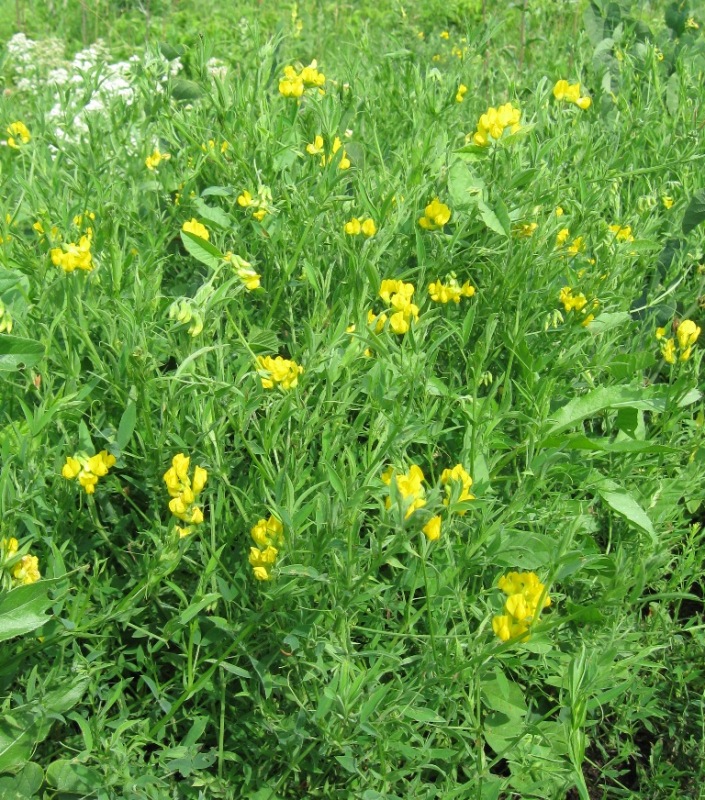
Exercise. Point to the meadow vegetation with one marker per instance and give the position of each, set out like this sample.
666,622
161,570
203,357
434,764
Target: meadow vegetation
352,430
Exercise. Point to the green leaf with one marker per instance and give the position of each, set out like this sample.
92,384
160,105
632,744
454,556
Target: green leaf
464,187
201,249
23,609
127,424
216,216
493,222
695,213
673,90
16,351
623,504
25,784
67,776
185,91
19,732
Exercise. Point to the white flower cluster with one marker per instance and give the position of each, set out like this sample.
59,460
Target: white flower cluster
217,68
30,61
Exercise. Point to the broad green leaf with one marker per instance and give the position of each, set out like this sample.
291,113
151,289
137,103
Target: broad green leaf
24,785
216,216
695,213
75,778
127,424
488,216
16,351
464,188
201,249
19,732
673,90
626,506
23,609
185,91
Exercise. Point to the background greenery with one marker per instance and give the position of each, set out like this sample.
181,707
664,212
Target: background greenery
148,666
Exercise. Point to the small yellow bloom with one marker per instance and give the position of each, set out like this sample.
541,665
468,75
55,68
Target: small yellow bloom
26,571
353,227
667,201
436,215
260,214
196,228
457,476
460,94
268,532
687,334
17,135
432,529
72,255
526,597
368,228
409,486
570,92
88,469
316,147
668,351
445,35
245,199
526,230
622,233
279,371
154,160
450,292
559,211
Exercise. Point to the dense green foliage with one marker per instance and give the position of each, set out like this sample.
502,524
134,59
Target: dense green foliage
370,663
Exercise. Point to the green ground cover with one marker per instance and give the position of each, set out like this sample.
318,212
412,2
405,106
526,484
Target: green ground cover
352,430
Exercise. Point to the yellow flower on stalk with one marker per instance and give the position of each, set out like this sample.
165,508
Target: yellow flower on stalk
183,490
260,214
457,476
268,532
17,135
572,302
368,228
155,159
668,351
245,199
88,469
445,35
409,486
687,334
378,321
432,529
526,597
262,562
494,122
278,371
26,570
450,292
397,295
526,230
667,201
436,215
577,246
344,162
570,93
622,233
72,255
460,94
315,148
353,227
196,228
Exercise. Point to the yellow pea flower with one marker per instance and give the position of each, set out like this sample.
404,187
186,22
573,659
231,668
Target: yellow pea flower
196,228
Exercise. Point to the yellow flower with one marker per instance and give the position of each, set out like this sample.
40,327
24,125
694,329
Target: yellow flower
316,147
369,228
494,122
262,562
667,201
660,333
668,351
353,227
687,334
562,236
526,597
196,228
249,277
460,94
432,529
88,469
577,246
260,214
72,255
622,233
691,23
344,162
451,292
278,370
445,35
311,76
17,135
559,211
291,87
460,477
409,486
153,161
436,215
268,532
245,199
184,490
9,548
26,571
572,302
378,321
526,230
570,92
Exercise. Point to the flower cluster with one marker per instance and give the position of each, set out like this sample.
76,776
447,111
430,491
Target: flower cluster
436,215
278,370
460,94
23,570
397,295
576,302
185,311
457,484
17,135
355,227
262,202
294,82
526,596
409,486
575,247
268,535
249,277
184,491
88,468
450,292
317,148
687,334
155,159
526,230
196,228
74,255
570,93
494,122
622,233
